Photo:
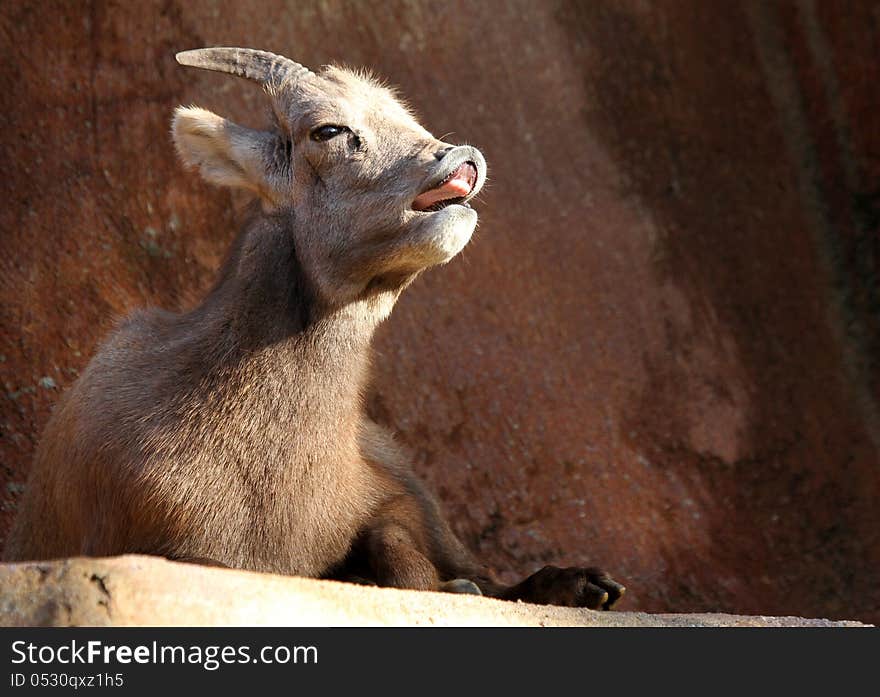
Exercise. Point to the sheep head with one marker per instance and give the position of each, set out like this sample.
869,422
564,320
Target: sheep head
373,198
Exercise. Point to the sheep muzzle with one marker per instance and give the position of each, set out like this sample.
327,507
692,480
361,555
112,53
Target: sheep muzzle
453,189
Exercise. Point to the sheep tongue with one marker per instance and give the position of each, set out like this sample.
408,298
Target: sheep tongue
458,185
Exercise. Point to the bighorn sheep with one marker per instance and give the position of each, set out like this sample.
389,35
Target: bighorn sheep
234,433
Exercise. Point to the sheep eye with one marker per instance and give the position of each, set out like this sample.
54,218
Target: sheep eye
322,133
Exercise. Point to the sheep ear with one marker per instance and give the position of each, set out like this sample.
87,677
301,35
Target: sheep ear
225,153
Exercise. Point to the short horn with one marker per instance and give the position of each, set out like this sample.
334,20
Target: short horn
268,69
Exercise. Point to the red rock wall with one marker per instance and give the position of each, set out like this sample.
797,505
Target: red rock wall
657,355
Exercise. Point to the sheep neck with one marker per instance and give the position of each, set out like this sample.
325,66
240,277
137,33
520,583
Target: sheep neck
263,332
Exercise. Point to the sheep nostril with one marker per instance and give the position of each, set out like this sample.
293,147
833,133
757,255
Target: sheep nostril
441,153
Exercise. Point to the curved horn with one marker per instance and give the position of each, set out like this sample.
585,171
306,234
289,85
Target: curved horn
268,69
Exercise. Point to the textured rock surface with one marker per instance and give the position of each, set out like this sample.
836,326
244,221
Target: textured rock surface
659,353
136,590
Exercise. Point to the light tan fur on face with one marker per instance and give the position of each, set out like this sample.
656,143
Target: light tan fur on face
353,203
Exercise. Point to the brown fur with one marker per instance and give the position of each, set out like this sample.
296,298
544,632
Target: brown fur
234,433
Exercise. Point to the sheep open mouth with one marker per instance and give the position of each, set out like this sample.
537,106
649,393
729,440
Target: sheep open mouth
453,189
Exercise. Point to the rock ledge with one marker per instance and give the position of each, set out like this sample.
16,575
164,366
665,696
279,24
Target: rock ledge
149,591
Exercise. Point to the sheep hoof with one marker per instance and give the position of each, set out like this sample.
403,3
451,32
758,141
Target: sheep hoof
461,585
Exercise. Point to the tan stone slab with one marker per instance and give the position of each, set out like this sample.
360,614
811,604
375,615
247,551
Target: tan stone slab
149,591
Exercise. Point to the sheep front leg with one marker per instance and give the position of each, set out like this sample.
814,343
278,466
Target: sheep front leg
397,557
396,560
572,587
587,587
